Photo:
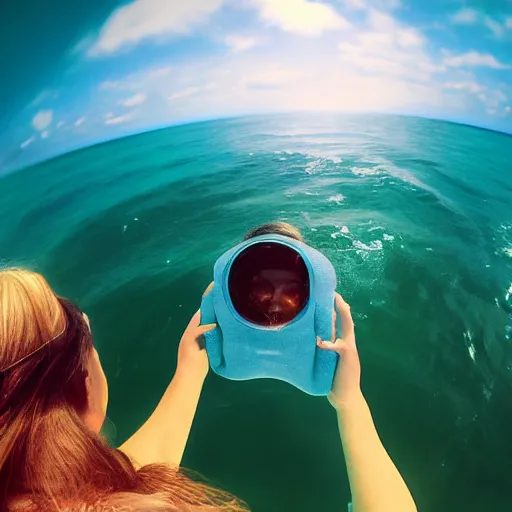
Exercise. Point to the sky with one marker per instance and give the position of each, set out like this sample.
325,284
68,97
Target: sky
82,72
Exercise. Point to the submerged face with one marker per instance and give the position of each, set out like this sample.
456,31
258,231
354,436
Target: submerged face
269,284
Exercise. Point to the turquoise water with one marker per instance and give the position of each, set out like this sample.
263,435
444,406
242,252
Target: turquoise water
416,217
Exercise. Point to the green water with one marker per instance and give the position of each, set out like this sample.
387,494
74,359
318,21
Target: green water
416,217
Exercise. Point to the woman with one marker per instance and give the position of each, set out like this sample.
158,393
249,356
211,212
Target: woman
53,397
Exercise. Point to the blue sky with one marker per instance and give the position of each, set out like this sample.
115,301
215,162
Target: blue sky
76,73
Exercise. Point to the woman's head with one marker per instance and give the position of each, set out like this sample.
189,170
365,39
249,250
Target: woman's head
53,397
47,359
275,228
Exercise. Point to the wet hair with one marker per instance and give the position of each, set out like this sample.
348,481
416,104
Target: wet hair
275,228
49,459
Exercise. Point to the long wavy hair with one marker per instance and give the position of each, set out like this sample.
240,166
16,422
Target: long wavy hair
49,459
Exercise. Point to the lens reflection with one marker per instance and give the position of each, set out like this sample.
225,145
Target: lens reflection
269,284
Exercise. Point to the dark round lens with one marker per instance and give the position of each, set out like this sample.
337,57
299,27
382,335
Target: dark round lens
269,284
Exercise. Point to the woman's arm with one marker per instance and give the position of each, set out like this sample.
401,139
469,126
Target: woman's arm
163,437
375,482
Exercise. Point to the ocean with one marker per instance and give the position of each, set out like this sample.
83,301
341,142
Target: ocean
416,216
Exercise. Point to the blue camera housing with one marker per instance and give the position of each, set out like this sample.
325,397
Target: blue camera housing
240,350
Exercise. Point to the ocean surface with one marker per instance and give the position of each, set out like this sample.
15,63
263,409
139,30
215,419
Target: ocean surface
416,216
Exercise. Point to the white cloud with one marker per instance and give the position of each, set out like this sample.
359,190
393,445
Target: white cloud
508,23
133,101
388,47
43,96
60,124
468,16
185,93
507,110
119,119
80,121
471,87
493,98
474,59
386,5
240,43
143,19
465,15
160,72
42,120
272,75
108,85
496,28
356,4
290,82
301,16
27,143
45,134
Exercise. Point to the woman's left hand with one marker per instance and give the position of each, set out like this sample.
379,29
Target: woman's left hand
192,357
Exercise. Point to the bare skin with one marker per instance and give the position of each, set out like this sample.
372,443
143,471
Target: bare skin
375,482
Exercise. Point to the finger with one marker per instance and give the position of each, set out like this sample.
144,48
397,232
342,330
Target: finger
208,290
205,328
195,320
347,322
338,346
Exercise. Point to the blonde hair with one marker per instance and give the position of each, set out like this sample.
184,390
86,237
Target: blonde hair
49,459
275,228
26,295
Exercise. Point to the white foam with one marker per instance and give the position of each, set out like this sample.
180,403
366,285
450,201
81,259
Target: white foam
508,251
312,167
508,294
323,155
375,228
386,167
366,171
343,230
471,350
387,237
375,245
468,337
338,199
125,227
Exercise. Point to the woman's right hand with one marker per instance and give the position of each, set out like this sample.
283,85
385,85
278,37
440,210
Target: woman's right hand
347,381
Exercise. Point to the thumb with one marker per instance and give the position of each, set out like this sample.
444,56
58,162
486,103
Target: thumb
338,346
202,329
